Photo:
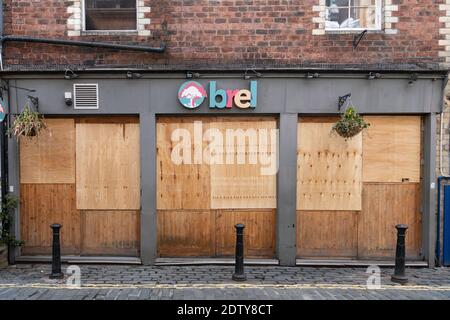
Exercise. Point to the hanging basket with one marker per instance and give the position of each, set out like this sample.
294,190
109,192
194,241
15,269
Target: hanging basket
28,123
350,124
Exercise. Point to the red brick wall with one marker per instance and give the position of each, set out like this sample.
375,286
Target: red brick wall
227,31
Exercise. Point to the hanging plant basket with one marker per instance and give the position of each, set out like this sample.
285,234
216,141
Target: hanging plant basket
350,124
28,123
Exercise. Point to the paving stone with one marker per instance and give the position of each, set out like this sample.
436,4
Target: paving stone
30,281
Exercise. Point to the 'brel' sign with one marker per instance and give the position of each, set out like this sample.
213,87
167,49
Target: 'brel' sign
192,94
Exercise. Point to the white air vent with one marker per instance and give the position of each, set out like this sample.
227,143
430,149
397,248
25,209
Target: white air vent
85,96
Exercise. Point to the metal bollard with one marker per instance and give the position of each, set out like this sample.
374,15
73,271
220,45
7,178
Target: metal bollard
238,274
56,253
400,253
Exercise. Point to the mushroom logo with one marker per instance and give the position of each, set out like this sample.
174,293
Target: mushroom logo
191,94
2,111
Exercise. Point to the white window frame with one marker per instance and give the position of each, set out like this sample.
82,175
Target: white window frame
378,23
83,21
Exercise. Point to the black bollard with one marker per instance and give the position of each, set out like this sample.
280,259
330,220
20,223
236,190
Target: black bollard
56,253
400,253
238,274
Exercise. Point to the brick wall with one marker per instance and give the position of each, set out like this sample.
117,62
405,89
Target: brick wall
230,31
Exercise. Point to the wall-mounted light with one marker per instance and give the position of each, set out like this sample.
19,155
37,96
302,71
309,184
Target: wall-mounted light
68,98
69,74
310,75
413,78
373,76
253,74
192,75
134,75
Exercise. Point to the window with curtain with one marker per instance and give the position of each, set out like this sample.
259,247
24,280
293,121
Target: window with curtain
110,15
353,14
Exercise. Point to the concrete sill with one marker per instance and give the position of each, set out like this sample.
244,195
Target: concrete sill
354,263
212,261
81,259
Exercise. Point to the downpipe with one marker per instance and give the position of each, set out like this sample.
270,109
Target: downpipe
91,44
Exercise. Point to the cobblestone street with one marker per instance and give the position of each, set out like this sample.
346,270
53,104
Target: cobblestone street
101,282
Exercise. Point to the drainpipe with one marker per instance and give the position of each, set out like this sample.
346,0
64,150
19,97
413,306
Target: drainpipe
3,138
441,178
77,43
2,130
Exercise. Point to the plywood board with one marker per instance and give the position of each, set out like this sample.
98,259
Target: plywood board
327,234
391,149
259,232
329,169
42,205
385,206
186,233
50,157
110,233
251,181
108,166
181,184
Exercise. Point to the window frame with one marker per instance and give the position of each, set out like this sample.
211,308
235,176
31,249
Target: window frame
83,22
379,9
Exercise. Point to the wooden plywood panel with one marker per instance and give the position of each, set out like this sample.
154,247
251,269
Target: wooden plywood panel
42,205
330,234
50,157
392,149
110,233
251,182
108,166
186,233
181,185
385,206
259,232
329,169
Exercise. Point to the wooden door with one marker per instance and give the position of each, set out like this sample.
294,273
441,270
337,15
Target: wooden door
391,190
84,174
199,202
47,189
351,194
108,185
328,190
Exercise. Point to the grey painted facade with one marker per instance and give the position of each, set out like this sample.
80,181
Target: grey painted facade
285,95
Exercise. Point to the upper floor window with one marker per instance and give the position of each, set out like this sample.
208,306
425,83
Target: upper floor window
110,15
347,15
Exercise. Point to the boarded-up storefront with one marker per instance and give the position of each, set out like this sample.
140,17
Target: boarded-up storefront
351,193
83,173
160,169
200,200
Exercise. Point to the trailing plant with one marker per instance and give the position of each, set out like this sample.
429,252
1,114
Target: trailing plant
350,124
6,238
28,123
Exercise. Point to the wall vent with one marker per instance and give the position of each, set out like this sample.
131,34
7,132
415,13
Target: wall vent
85,95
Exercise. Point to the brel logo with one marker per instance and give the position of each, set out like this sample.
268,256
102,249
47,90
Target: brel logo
192,94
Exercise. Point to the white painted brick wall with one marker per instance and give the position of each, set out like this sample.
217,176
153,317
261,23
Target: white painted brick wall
445,33
74,22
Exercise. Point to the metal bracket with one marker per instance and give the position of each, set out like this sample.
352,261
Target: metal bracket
357,39
34,101
342,100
